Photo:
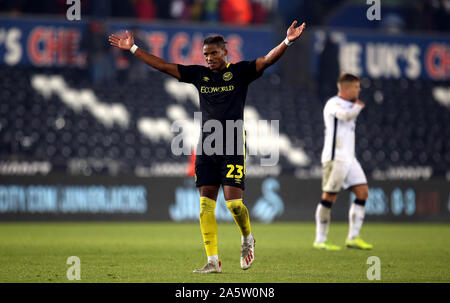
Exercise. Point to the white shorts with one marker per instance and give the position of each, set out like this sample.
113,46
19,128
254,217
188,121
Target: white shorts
339,174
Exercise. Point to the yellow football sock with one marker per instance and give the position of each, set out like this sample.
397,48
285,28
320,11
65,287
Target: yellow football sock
208,225
240,215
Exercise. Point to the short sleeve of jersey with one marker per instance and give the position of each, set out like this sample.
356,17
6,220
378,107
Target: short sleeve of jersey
248,69
331,108
189,73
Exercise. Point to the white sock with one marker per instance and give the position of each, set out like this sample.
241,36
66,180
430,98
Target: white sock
356,219
323,218
247,238
213,258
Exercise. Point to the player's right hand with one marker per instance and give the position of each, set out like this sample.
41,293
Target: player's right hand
124,42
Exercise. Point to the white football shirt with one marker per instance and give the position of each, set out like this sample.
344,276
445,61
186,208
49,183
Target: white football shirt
340,120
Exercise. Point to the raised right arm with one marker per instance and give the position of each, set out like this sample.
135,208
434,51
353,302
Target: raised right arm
350,113
127,42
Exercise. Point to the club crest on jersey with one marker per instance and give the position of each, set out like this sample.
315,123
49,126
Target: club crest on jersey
206,79
227,76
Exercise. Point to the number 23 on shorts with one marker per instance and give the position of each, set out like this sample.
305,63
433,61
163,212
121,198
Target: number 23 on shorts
239,171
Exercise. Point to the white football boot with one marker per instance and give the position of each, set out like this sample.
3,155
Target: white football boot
247,253
210,267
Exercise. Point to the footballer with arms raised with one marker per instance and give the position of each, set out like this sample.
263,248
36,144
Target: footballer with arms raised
341,169
222,88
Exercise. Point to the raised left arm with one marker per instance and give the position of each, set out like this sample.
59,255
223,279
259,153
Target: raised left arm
292,34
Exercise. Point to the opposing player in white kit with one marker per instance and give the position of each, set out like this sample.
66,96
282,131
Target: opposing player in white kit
341,169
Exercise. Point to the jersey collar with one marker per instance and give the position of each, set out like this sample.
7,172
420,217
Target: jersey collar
344,99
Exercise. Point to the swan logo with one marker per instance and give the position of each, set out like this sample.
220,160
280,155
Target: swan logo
270,205
187,206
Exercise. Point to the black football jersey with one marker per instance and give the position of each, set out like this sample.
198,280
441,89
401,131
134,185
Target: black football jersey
222,94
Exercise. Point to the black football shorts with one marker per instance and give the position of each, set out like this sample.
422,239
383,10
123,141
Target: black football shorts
220,170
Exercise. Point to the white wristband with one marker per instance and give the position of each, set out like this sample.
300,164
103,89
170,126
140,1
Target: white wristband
133,48
286,41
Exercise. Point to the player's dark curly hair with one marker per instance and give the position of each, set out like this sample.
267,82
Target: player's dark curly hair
218,40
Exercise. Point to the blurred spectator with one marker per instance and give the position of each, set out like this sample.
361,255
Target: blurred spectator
179,10
212,10
196,10
144,9
34,7
236,11
259,12
419,15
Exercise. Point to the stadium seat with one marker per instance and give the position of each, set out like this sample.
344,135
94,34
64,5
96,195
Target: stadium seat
402,124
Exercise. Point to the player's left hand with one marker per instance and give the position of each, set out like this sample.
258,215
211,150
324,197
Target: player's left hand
294,32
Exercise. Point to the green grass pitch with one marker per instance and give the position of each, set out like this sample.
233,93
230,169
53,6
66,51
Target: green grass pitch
168,252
